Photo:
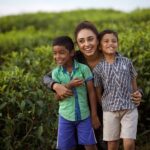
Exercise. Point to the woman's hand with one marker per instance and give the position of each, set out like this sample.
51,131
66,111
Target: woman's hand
95,122
62,91
136,97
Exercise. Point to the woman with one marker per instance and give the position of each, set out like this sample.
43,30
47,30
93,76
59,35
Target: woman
86,36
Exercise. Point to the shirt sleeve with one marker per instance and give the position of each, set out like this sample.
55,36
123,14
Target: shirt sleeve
55,75
48,81
97,77
87,73
133,72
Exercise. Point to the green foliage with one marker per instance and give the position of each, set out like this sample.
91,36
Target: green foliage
28,112
28,38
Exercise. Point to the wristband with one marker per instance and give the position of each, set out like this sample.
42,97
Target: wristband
51,86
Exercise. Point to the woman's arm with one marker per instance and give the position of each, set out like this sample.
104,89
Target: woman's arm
60,89
93,104
99,94
48,81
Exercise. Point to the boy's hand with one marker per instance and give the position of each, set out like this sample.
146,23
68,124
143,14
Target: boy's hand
136,97
74,83
95,122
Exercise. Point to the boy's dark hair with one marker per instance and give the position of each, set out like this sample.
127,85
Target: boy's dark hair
107,31
65,41
85,25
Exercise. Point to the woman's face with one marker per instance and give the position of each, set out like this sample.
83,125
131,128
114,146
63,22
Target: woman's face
87,42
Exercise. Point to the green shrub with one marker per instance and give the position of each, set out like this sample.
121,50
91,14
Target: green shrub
28,111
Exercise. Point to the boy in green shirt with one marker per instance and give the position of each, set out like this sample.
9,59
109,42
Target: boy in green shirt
74,112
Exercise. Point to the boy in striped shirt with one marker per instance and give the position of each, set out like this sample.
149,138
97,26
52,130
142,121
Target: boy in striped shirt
115,81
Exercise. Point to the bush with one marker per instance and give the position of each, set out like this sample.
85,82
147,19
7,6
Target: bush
28,111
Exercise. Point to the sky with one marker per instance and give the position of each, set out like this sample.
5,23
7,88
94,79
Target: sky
9,7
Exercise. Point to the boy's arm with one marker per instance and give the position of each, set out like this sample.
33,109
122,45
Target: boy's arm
74,83
136,95
135,89
66,88
134,84
93,104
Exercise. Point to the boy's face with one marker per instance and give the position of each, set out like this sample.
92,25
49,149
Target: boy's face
62,56
109,44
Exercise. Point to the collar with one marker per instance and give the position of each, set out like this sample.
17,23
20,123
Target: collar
75,67
117,56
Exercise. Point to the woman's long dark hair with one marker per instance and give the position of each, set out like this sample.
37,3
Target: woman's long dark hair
85,25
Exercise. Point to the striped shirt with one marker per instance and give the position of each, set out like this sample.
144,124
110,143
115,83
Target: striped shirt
115,79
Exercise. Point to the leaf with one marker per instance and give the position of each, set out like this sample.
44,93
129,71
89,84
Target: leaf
3,105
40,131
40,103
22,106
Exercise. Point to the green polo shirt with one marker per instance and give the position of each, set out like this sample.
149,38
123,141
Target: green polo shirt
74,107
